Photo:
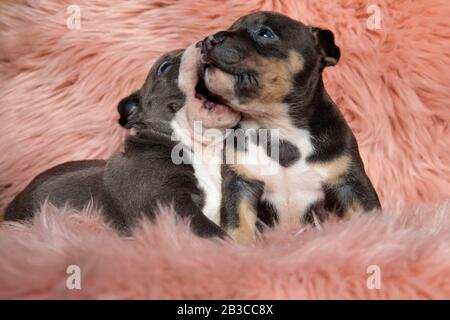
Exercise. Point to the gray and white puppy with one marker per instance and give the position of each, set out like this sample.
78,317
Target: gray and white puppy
144,176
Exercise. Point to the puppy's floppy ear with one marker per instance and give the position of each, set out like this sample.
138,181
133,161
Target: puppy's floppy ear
325,45
128,109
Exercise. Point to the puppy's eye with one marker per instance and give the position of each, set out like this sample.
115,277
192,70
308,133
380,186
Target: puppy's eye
265,33
164,67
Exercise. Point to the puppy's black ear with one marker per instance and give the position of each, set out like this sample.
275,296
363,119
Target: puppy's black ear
325,45
128,109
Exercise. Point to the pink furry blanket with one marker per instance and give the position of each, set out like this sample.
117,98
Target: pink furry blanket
59,90
410,249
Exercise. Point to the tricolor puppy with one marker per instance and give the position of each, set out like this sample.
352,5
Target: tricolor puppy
145,176
269,67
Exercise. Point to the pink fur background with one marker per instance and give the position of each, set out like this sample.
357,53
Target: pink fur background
58,94
166,261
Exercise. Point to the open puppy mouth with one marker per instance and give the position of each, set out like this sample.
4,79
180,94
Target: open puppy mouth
209,101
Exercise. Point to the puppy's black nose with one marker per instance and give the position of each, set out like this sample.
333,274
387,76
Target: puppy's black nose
213,40
219,37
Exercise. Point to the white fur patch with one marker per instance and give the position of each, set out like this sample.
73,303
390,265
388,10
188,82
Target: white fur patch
188,73
205,160
291,190
207,168
210,181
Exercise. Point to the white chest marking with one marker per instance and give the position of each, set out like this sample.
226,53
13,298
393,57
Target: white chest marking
208,174
291,190
207,168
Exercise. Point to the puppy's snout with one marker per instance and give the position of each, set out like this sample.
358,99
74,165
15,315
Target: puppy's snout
224,51
213,40
218,37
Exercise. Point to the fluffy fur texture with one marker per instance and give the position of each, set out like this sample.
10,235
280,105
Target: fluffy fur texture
167,261
59,89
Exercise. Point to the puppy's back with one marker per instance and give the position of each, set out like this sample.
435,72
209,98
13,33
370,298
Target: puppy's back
73,183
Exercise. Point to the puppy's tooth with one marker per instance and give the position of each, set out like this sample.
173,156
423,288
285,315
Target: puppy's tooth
209,105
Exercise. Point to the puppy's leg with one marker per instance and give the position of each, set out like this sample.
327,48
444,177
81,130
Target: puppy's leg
238,211
347,187
354,194
357,195
185,206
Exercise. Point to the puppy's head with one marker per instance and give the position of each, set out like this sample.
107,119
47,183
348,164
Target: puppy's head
173,89
160,98
262,58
